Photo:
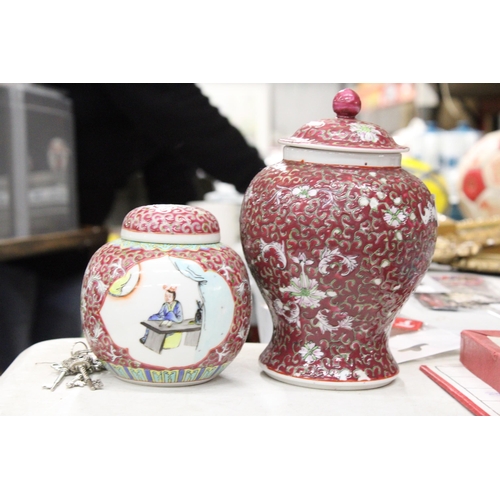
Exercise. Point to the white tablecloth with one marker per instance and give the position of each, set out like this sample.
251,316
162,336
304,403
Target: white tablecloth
241,390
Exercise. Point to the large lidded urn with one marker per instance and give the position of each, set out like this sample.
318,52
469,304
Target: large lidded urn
337,236
166,304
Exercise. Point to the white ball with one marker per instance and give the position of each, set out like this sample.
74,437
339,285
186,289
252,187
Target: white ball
479,178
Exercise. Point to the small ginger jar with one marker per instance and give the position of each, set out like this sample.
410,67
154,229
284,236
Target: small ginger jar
166,304
337,236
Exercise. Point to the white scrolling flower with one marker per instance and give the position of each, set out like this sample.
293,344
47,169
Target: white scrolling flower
323,323
365,132
302,289
310,352
223,352
304,191
242,332
279,248
226,271
325,326
117,268
97,331
291,312
395,216
302,260
364,201
305,291
100,285
330,258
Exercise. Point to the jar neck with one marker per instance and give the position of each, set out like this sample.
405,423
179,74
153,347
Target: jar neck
342,158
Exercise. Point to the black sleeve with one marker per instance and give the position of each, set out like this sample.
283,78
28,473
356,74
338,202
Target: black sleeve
180,117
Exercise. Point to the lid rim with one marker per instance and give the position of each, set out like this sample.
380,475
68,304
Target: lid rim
161,238
342,158
309,145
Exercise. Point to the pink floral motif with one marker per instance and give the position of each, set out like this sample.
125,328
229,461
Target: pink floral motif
395,216
310,352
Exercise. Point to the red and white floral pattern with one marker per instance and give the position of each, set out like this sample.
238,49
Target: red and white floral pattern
336,251
171,219
344,132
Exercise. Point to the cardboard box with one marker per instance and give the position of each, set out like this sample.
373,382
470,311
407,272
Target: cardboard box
37,161
480,354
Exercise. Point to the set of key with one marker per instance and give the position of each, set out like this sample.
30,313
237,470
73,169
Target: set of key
80,365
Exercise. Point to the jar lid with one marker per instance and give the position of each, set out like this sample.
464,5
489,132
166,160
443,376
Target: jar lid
176,224
344,133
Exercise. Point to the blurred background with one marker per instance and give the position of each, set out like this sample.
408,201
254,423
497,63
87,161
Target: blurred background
438,121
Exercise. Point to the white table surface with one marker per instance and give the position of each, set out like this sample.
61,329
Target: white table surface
240,390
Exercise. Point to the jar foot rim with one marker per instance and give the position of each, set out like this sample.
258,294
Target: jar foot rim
163,384
326,384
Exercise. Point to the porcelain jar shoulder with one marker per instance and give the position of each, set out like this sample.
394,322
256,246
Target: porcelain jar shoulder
166,304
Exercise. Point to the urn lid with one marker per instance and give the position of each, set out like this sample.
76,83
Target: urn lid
175,224
344,133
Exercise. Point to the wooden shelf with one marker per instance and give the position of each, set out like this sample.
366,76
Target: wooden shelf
480,103
89,237
476,90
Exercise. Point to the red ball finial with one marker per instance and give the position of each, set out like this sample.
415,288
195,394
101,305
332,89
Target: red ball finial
346,104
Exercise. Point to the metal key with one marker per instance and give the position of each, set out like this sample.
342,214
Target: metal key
83,366
79,382
63,371
97,366
82,363
76,382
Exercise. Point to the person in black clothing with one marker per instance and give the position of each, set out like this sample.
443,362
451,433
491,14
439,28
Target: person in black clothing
165,131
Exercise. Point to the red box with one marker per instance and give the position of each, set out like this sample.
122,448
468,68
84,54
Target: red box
481,355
